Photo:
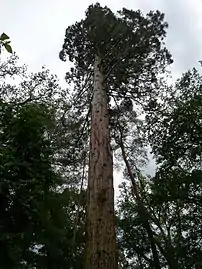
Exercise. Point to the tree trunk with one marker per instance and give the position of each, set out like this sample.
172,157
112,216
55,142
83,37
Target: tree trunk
142,210
101,242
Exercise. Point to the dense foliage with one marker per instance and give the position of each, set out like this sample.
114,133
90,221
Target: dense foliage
38,210
173,196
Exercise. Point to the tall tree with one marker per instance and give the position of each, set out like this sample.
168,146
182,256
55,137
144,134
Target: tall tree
115,56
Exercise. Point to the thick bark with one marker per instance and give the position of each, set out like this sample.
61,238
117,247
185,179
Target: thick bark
101,242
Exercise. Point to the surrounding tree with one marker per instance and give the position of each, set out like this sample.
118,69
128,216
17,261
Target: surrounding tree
173,197
42,212
178,127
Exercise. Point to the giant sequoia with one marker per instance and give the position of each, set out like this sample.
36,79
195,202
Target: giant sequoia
115,56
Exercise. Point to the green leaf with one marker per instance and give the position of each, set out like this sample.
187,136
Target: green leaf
8,47
4,37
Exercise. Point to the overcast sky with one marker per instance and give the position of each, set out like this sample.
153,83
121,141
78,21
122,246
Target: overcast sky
37,29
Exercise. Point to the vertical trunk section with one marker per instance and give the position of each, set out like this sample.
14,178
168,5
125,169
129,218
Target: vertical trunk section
101,242
142,210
